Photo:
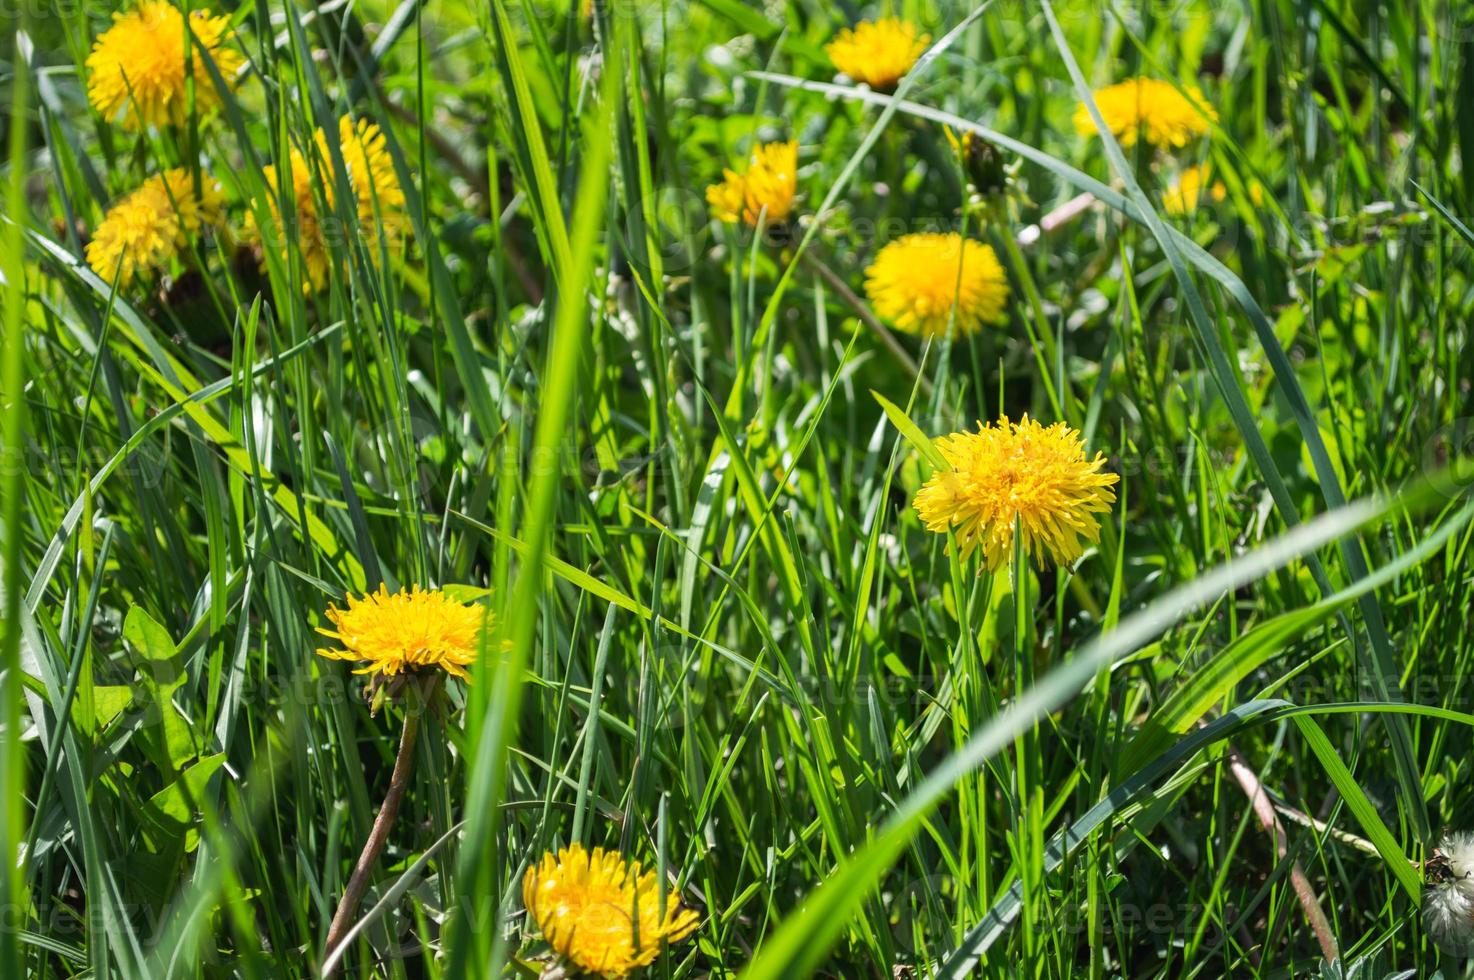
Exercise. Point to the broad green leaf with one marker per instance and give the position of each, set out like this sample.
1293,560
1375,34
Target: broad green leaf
160,674
171,811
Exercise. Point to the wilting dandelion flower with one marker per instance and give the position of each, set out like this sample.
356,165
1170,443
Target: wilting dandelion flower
1149,109
765,189
1017,474
138,64
1448,895
1192,185
981,162
378,198
600,913
917,280
146,229
407,631
878,52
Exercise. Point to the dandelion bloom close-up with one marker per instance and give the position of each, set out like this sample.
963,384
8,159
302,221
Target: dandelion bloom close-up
138,64
409,630
148,227
600,913
878,52
378,198
1145,108
917,280
765,190
1020,474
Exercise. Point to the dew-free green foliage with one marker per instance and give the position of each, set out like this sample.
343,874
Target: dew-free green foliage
677,459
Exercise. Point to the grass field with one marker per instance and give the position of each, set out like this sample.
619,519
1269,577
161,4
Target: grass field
668,443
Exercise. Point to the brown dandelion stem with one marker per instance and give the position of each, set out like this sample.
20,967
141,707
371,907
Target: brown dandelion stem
863,311
1264,811
378,834
1060,216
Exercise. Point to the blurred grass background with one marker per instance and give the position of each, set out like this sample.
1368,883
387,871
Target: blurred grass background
732,649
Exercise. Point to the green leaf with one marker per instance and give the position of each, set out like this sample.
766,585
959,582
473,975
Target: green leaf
1361,807
152,642
170,813
171,739
109,702
1211,682
924,446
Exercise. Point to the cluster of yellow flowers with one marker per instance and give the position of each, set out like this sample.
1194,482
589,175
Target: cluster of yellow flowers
153,224
599,912
1158,113
1008,486
150,68
764,192
1008,478
936,284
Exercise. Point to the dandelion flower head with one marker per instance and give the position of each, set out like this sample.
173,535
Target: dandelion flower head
407,631
877,52
917,280
765,190
147,228
1145,108
1017,474
600,913
378,198
138,64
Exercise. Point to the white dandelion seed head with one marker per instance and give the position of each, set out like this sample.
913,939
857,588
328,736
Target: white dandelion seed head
1448,895
1458,848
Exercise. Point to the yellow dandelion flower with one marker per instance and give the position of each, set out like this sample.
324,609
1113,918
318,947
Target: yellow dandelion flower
378,198
150,226
307,232
1020,474
768,184
370,172
1149,109
1192,185
600,913
138,64
407,631
915,282
878,52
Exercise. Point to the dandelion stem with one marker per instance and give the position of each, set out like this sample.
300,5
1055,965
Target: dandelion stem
1264,810
378,834
867,317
